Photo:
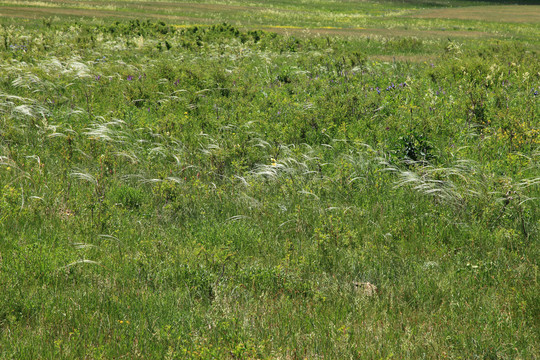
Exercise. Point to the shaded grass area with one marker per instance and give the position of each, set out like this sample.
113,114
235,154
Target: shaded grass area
214,192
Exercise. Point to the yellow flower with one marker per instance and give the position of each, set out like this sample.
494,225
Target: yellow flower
274,161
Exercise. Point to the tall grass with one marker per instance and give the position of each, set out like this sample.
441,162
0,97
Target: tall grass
241,194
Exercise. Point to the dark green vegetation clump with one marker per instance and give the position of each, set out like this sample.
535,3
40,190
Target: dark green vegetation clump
209,192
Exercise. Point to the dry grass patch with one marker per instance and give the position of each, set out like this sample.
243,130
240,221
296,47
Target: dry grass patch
504,13
167,6
35,12
356,32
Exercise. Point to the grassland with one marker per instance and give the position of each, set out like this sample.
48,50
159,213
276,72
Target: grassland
355,18
320,180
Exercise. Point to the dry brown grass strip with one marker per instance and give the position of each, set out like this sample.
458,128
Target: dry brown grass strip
500,13
380,32
37,12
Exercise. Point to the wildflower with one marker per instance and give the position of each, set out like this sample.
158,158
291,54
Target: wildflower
129,78
274,162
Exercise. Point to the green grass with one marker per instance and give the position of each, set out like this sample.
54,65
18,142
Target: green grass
434,19
216,191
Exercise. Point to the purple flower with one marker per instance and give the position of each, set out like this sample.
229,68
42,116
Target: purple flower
129,78
177,82
98,77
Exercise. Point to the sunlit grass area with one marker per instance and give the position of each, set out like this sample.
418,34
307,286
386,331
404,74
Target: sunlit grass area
269,180
440,19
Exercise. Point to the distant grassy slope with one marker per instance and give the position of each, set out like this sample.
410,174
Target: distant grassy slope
498,14
423,19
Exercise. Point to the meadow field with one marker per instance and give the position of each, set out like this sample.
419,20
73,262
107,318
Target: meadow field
278,179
